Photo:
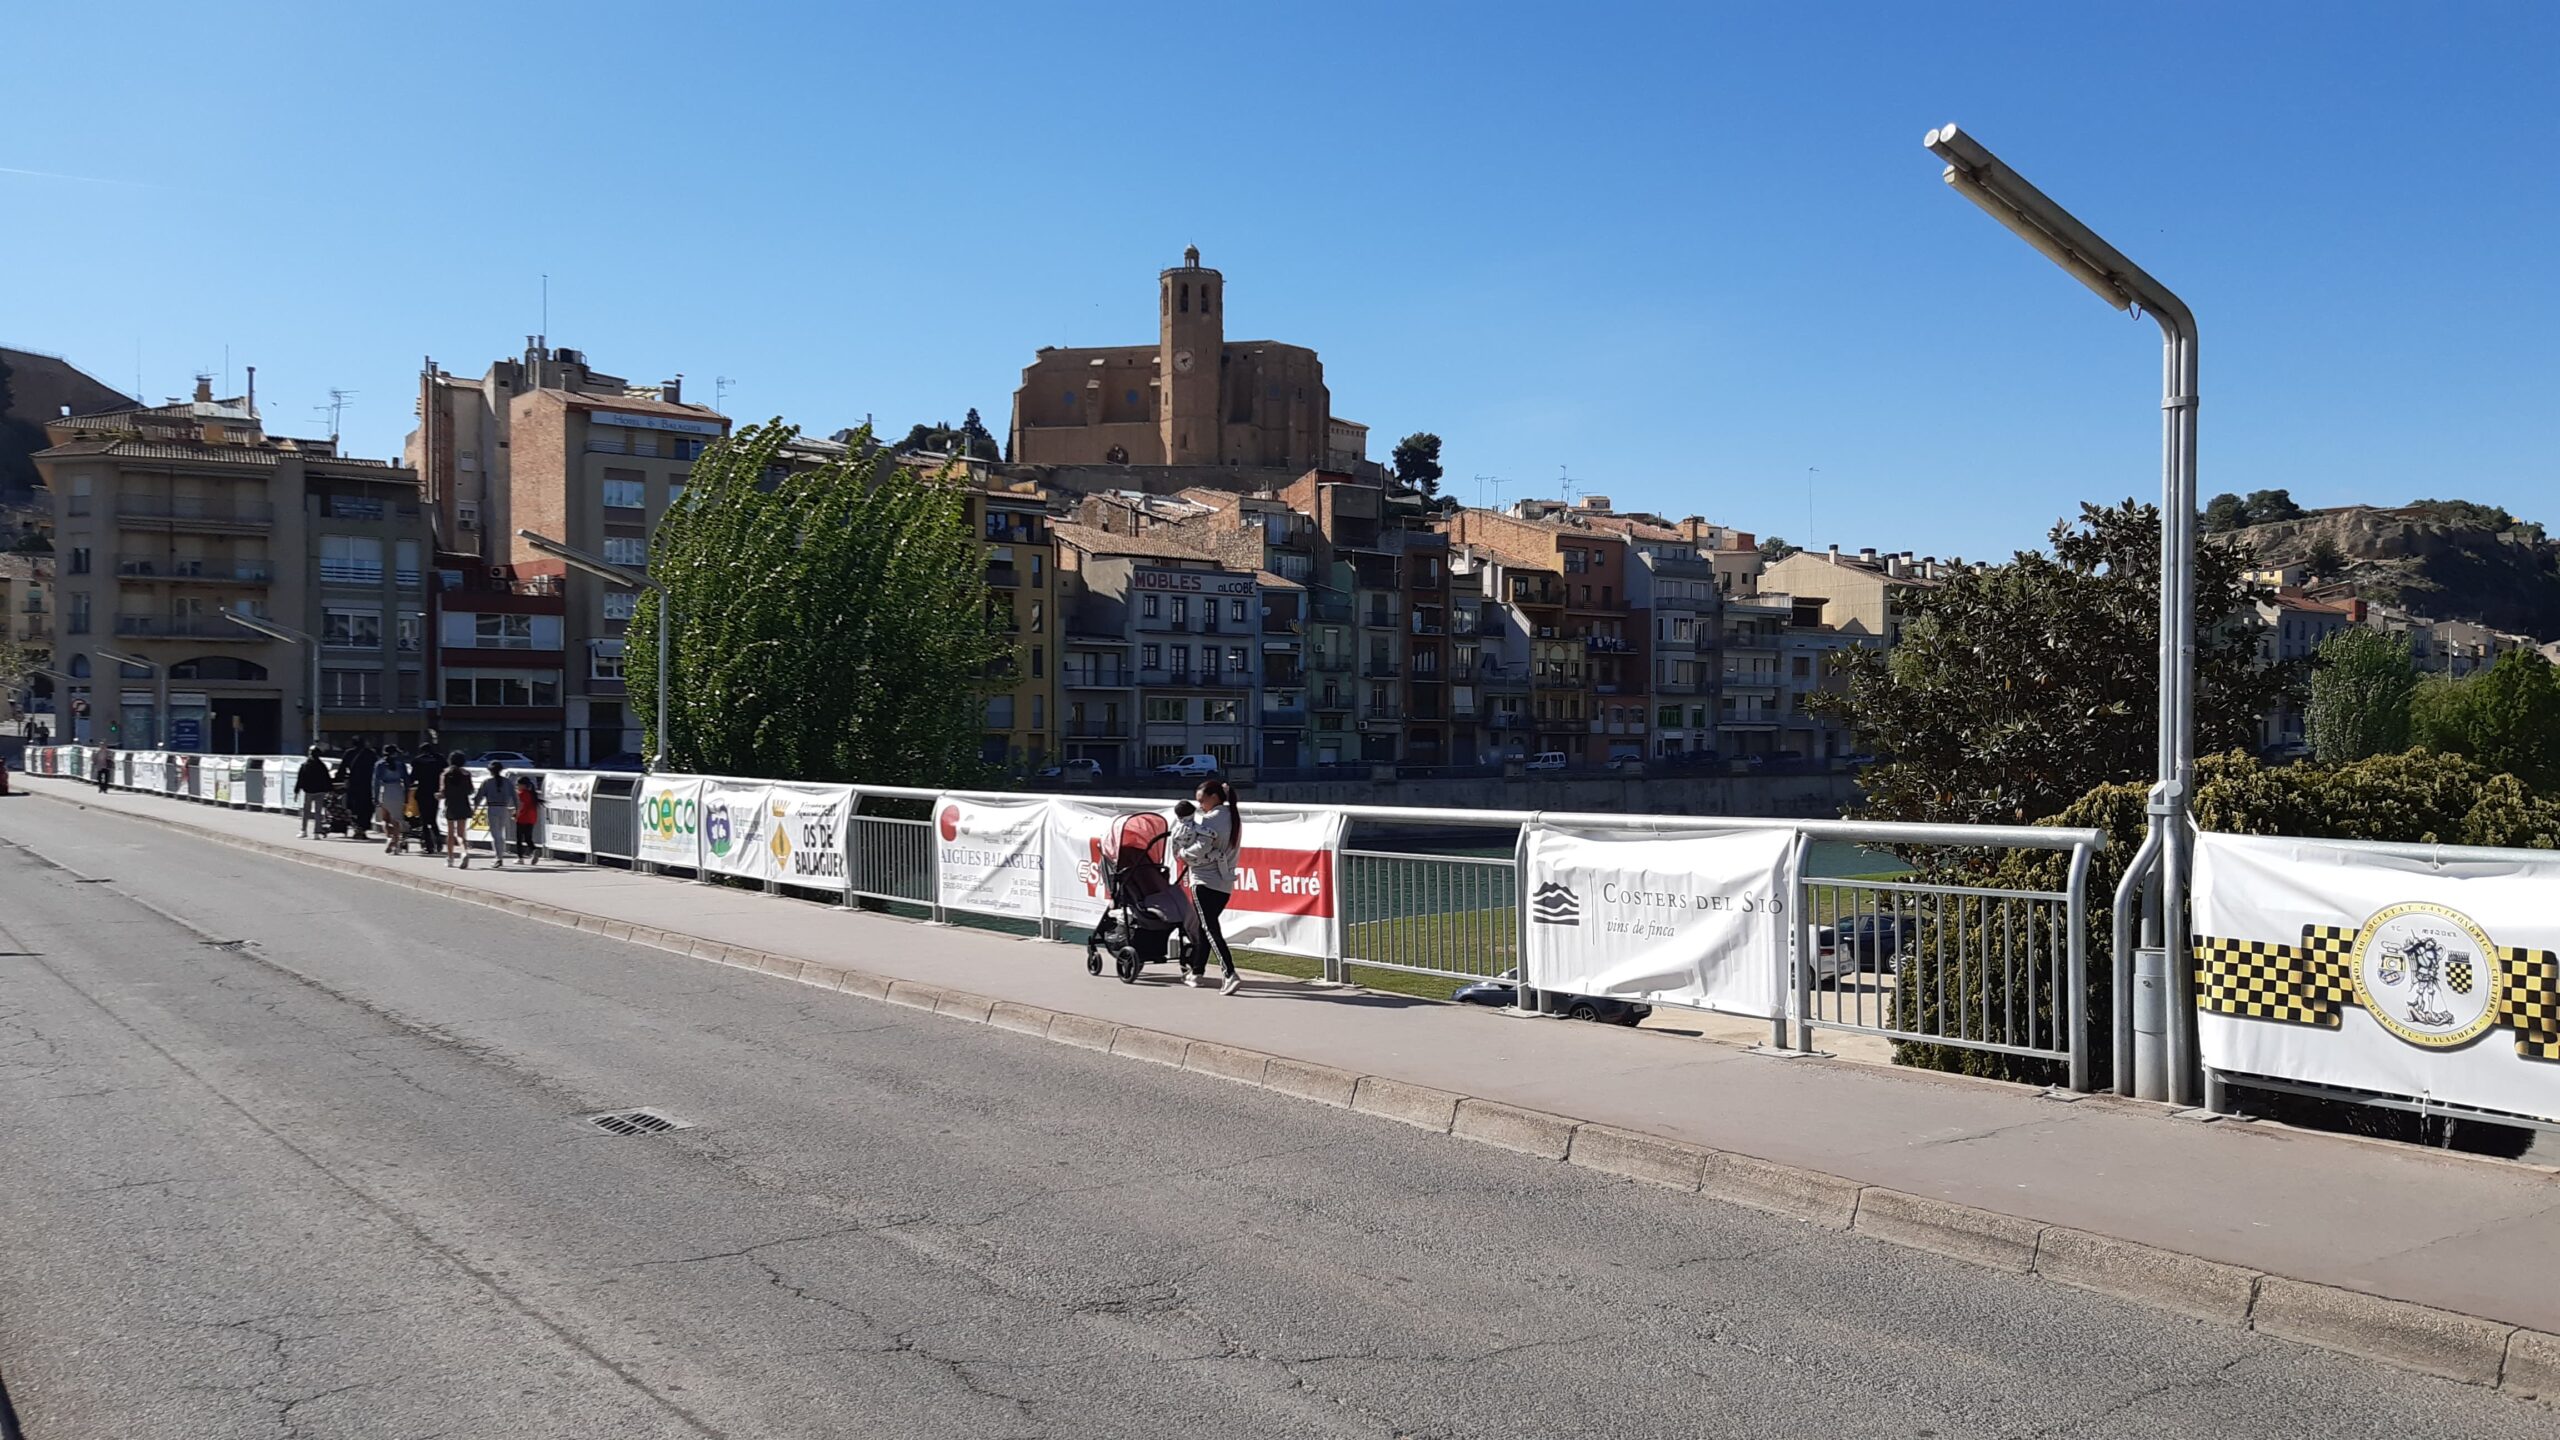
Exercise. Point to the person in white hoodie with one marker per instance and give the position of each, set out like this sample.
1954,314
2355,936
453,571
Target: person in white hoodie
1208,846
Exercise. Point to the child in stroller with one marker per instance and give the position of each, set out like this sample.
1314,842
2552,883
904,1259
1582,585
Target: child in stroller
1146,915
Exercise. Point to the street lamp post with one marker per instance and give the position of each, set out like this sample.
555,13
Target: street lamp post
159,691
2158,1060
604,569
287,633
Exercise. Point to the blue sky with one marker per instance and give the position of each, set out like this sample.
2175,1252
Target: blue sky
1679,253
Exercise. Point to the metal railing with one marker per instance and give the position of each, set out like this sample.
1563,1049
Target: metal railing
1451,915
891,859
1920,961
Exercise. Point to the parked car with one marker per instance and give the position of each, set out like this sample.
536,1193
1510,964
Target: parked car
1504,992
1870,944
1074,772
512,759
629,762
1684,758
1545,760
1191,767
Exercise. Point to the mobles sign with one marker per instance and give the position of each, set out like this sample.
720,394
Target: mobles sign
1191,582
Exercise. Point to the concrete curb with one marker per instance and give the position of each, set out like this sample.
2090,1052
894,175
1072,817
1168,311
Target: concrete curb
2462,1348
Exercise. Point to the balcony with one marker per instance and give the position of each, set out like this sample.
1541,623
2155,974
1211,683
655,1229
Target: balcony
1337,611
1507,720
1330,704
1282,677
1329,664
1463,714
355,507
1377,669
1524,592
187,627
1424,624
1095,730
36,629
195,510
1281,625
1003,577
1289,716
1196,679
1379,717
199,571
1428,674
1606,645
1081,679
1678,687
1379,619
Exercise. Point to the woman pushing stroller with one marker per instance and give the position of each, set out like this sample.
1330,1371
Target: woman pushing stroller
1208,840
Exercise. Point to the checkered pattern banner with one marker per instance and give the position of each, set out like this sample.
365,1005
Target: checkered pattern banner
2310,984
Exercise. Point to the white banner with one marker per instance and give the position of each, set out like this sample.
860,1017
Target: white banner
1285,881
805,830
568,812
987,854
1077,852
1696,920
2416,978
734,827
670,827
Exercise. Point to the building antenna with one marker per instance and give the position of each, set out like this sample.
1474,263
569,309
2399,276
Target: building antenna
1564,473
546,307
720,387
337,406
1809,473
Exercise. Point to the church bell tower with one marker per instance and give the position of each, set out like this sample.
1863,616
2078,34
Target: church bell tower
1192,337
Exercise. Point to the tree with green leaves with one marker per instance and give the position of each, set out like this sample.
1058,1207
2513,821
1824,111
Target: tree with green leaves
2506,717
832,628
2266,507
2361,681
2225,511
1417,461
2017,688
968,438
2326,561
1777,548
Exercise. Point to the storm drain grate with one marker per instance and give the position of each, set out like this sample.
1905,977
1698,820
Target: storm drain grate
636,1122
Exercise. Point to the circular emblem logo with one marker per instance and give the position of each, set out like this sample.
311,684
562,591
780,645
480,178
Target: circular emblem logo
950,823
2427,973
715,831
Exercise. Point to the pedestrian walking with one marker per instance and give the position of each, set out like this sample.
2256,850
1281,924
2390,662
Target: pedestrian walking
426,768
1214,837
106,767
455,787
528,817
496,799
391,796
355,782
311,786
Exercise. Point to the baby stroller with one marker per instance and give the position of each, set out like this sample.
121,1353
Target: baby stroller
335,817
1148,918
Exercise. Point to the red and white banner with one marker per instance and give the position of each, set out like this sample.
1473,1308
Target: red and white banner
1287,881
1077,851
987,855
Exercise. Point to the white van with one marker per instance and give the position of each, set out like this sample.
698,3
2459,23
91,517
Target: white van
1545,760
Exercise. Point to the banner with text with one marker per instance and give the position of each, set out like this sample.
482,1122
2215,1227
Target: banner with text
670,822
1078,851
568,812
2427,979
804,835
1285,881
734,827
987,855
1675,919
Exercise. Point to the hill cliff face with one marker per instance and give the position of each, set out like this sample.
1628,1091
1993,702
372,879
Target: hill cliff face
2444,559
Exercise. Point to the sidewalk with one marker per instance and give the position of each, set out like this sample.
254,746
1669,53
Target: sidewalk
2476,1237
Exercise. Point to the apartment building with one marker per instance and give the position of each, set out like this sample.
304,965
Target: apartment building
550,444
1861,594
1749,699
1011,521
1162,645
1585,642
500,654
26,608
2294,627
168,517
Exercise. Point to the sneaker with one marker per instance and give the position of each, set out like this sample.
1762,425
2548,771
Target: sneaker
1230,985
1191,980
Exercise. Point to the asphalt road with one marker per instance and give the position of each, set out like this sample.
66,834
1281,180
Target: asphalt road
290,1154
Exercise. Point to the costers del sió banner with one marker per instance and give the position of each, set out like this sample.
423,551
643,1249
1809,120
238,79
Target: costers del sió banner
1696,920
